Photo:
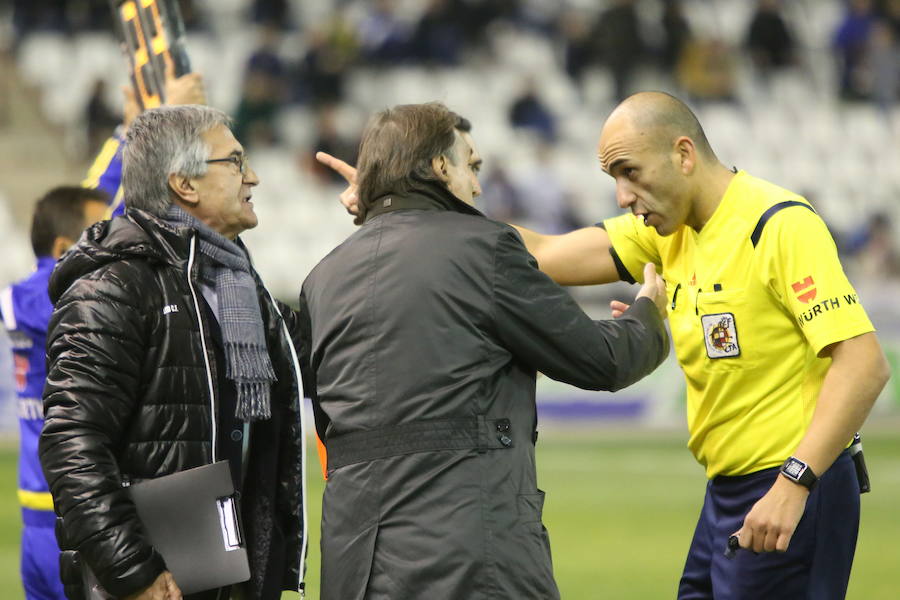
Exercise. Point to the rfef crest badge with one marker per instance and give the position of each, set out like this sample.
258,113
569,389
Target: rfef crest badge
721,336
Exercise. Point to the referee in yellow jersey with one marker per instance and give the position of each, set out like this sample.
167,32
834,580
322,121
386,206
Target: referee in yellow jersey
781,362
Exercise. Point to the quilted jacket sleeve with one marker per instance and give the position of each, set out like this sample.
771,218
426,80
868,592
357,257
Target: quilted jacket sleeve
95,350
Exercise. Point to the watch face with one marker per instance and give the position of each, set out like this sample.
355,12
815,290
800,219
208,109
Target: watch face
794,468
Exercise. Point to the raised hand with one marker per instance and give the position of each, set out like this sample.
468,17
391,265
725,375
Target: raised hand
187,89
349,197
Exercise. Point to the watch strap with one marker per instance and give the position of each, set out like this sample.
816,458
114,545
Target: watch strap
799,472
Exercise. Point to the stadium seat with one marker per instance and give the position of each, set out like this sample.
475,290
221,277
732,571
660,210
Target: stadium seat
44,58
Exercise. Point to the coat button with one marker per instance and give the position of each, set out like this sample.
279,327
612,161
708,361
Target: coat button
503,425
237,435
505,440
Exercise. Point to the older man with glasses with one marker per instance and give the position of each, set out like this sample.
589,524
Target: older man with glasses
166,352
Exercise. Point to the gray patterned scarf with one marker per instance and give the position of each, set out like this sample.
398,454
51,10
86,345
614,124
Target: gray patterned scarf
225,264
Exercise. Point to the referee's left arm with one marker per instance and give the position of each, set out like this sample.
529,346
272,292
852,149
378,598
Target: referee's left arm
798,259
858,372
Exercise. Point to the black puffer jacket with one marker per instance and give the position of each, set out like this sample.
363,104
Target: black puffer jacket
130,377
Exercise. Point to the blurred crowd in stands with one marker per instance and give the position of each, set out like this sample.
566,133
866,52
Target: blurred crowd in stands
610,33
303,58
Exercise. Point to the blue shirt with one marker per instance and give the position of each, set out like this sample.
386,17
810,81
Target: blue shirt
26,310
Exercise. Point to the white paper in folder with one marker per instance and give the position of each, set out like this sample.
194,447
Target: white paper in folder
231,532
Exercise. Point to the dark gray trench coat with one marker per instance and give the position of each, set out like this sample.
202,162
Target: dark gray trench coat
429,324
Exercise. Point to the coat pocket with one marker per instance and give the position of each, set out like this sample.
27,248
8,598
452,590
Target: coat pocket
533,565
531,509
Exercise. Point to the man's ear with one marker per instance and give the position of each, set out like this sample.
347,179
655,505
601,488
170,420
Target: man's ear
439,166
687,154
60,244
183,188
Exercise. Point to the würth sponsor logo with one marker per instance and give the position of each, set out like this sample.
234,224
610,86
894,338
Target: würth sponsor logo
826,306
805,290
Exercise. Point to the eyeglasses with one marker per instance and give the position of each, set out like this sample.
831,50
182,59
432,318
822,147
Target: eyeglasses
239,160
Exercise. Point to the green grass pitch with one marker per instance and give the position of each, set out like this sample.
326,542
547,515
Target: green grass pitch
620,508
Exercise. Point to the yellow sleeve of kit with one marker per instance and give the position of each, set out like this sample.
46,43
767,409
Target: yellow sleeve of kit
801,266
634,243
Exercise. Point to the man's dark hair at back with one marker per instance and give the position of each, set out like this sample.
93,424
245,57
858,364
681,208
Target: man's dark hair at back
60,213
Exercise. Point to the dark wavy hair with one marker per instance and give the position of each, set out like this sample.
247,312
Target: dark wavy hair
397,147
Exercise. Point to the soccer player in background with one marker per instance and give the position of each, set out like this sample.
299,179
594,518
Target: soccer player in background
59,218
781,361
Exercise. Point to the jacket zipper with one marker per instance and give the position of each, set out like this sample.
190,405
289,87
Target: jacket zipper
209,378
300,399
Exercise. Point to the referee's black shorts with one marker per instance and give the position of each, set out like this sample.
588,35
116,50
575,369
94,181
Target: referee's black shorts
817,563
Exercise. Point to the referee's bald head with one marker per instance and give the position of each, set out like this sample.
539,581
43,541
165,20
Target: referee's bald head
662,118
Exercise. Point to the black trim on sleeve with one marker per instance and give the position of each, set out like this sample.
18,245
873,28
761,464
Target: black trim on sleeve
624,275
757,231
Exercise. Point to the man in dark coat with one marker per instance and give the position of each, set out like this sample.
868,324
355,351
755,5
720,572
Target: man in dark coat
166,352
429,325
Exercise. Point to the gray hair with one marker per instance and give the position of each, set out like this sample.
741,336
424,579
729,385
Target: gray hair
162,141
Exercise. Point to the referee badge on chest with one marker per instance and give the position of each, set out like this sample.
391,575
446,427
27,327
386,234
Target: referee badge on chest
721,336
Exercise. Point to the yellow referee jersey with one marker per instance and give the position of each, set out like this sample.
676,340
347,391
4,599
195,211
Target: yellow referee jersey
753,298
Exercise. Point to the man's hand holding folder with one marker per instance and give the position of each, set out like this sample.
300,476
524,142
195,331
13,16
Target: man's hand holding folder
164,588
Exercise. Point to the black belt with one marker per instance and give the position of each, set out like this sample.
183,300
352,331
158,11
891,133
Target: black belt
419,436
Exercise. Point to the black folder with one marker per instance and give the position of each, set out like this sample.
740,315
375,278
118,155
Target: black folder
191,518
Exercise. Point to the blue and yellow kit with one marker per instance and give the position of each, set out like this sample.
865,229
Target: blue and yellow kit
754,298
106,173
26,310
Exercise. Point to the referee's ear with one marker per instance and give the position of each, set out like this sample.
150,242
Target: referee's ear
686,153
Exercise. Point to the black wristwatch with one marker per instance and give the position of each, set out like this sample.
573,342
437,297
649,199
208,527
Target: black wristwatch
799,472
